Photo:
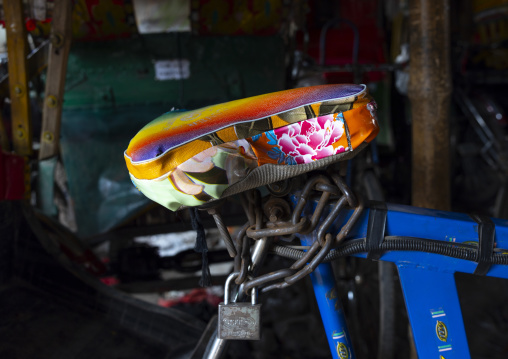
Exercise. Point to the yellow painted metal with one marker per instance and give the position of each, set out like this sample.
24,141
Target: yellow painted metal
55,79
17,49
36,62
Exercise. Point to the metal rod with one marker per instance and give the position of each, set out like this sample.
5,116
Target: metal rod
223,231
216,348
259,253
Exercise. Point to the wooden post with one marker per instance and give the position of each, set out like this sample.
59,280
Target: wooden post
17,50
61,36
430,89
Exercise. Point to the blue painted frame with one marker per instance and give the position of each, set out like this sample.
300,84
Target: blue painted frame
330,307
427,279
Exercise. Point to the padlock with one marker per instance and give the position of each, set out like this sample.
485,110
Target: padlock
239,321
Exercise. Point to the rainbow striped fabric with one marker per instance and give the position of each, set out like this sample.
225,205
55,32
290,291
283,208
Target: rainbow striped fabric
189,158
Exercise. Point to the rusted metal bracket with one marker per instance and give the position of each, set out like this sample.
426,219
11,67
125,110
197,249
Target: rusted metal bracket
18,82
57,67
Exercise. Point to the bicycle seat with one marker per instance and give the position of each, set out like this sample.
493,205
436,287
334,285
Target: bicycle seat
189,158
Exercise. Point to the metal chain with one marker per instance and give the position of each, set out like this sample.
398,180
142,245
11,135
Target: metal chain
263,228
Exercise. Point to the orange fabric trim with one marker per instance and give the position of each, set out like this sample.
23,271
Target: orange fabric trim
363,127
315,107
227,134
361,102
278,122
259,148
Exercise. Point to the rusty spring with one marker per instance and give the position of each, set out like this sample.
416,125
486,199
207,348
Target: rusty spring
258,228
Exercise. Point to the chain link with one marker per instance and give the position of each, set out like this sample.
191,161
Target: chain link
329,187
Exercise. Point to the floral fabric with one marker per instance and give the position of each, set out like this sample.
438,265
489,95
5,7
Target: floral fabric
305,141
227,156
175,137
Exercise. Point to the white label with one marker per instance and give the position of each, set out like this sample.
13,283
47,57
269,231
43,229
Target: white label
172,70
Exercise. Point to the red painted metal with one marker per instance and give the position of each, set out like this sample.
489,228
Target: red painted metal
12,176
339,42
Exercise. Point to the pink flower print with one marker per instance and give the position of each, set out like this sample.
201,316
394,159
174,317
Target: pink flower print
306,141
288,144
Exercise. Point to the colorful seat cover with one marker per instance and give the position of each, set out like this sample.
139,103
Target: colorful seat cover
189,158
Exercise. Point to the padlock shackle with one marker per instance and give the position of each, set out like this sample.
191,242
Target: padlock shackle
254,296
231,277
